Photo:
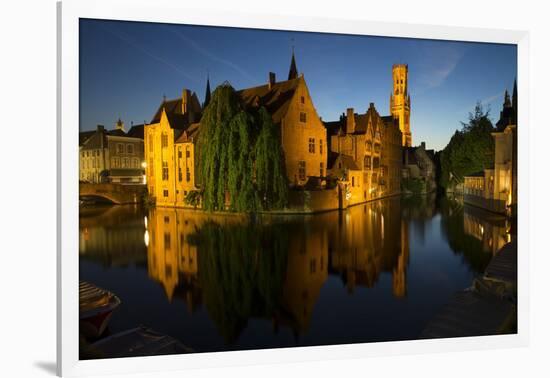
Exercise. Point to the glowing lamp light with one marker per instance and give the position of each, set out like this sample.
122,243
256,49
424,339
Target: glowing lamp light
145,221
144,164
146,238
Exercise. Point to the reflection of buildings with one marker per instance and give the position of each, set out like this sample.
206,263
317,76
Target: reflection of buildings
307,270
491,232
172,261
112,235
496,189
370,241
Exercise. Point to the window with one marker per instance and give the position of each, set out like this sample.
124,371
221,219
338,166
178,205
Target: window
352,181
312,266
165,170
368,146
302,170
376,163
187,152
377,147
311,146
150,142
321,169
302,100
166,240
187,174
119,148
164,140
151,166
165,192
321,146
303,117
166,220
367,163
130,149
179,153
180,175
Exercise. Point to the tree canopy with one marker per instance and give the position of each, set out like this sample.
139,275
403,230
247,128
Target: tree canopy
241,165
470,150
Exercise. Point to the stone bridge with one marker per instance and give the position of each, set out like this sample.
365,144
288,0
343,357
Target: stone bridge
115,193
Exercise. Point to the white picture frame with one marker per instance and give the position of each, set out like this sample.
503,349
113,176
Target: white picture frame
69,12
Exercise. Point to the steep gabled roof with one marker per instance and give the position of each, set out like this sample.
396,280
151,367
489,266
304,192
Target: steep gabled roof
190,133
174,111
136,131
275,97
346,161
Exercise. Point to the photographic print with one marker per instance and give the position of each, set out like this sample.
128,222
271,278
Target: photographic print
247,189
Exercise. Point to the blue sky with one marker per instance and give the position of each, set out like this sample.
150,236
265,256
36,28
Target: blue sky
127,67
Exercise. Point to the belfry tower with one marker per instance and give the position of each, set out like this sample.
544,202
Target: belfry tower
400,102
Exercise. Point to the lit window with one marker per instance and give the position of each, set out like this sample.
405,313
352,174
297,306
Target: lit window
165,170
311,146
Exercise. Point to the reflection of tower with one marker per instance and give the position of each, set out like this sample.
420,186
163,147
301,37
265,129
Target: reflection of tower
399,277
400,101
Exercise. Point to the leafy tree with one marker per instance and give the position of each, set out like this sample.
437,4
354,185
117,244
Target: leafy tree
470,150
271,178
240,157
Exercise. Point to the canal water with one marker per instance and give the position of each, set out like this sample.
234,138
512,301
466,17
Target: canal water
375,272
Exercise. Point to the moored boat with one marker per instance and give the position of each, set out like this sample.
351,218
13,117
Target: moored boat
96,307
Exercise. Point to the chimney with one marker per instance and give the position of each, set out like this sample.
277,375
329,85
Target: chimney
350,121
371,105
272,79
423,145
100,128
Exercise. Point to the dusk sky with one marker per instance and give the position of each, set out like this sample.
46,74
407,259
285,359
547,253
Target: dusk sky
127,67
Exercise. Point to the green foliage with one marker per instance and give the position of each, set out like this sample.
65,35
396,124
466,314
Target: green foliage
193,198
242,270
240,157
469,151
271,177
413,185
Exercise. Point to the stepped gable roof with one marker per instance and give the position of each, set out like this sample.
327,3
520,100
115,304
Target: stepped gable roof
136,131
275,97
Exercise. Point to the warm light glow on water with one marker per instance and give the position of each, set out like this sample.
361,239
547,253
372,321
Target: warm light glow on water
374,272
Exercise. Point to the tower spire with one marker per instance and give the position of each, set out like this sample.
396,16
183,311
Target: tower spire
507,102
293,71
207,94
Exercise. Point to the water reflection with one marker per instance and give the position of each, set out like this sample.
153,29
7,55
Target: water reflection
276,268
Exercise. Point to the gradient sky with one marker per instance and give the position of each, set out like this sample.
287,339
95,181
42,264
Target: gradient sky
127,67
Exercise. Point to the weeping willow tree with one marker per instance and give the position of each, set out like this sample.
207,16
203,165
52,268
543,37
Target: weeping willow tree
241,269
271,177
240,157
